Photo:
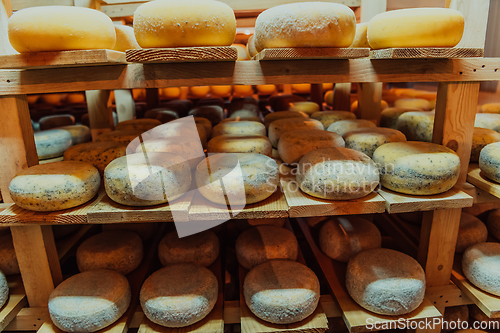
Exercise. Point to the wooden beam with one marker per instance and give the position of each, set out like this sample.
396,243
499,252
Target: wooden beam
342,97
125,105
317,94
100,114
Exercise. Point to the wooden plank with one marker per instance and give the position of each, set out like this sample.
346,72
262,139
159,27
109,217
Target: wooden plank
125,106
108,211
28,319
100,112
447,296
298,53
369,101
427,53
183,54
273,207
355,317
475,13
304,205
5,13
476,178
342,96
402,203
16,301
62,59
317,95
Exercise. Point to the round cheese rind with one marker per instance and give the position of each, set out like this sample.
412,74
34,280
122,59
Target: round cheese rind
55,186
489,161
293,145
341,127
265,242
200,249
269,118
367,140
119,250
385,281
361,39
255,180
207,125
4,289
471,231
119,136
417,125
279,222
412,103
488,120
89,301
281,126
239,127
281,291
342,237
52,143
238,118
311,24
125,38
389,117
213,113
251,49
190,148
79,133
416,27
60,28
134,181
306,107
490,108
418,168
172,23
179,295
144,124
337,174
481,266
8,258
480,139
99,154
234,143
329,117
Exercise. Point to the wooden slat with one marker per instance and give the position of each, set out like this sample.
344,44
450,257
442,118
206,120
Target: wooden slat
52,160
183,54
304,205
426,53
297,53
355,317
62,59
342,96
28,319
447,296
476,178
16,301
100,112
402,203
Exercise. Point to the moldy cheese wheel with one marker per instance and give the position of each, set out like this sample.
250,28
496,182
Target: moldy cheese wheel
173,23
367,140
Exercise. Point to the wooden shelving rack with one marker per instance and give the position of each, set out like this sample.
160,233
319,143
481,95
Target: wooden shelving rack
458,91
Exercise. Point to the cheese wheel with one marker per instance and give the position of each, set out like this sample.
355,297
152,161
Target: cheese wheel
211,101
179,295
341,127
145,230
243,90
213,113
251,49
281,126
185,146
278,222
207,125
4,289
52,143
170,92
144,125
179,128
237,118
60,28
341,238
265,242
386,282
266,89
8,258
119,136
480,139
481,266
489,161
361,39
337,174
172,23
329,117
199,91
493,223
163,115
282,102
389,117
471,231
181,106
416,27
200,249
55,186
269,118
455,315
490,108
281,291
119,250
367,140
301,88
311,24
235,143
99,154
239,127
488,120
79,133
242,52
306,107
355,105
329,97
89,301
125,38
293,145
255,180
417,125
134,181
418,168
412,103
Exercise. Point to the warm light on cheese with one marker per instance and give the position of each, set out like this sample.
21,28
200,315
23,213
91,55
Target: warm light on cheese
125,38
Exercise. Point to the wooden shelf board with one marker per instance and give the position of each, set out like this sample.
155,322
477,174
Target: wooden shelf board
51,160
16,301
403,203
476,178
304,205
306,53
183,54
62,59
273,207
426,53
28,319
355,317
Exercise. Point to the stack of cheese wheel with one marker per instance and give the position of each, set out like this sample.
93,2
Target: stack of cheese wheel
472,231
489,161
329,117
99,154
367,140
52,143
416,125
206,124
481,266
200,249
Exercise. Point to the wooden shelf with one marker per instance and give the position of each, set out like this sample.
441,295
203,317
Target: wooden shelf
183,54
427,53
403,203
476,178
16,301
38,60
307,53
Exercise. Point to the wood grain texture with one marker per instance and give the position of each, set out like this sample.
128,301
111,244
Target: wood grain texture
28,319
427,53
183,54
447,296
100,112
304,53
369,101
61,59
476,178
402,203
342,96
16,301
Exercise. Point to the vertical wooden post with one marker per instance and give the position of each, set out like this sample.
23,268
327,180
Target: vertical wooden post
125,106
317,95
342,97
5,13
152,98
100,114
287,89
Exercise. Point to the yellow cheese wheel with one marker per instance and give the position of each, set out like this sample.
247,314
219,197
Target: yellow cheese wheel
480,139
243,90
307,24
360,39
240,143
125,38
170,93
266,89
75,98
199,91
329,97
367,140
242,52
60,28
269,118
281,126
354,106
251,50
329,117
490,108
221,91
341,127
239,127
301,88
412,103
417,125
306,107
416,27
173,23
